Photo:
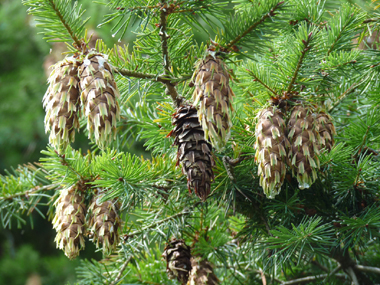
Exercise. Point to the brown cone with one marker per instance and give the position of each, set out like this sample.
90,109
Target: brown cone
69,221
214,96
104,223
194,152
305,143
177,256
326,131
99,98
271,149
202,273
61,103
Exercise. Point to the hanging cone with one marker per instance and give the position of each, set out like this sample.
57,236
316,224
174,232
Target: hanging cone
177,256
271,149
202,273
214,96
61,103
99,93
104,223
194,152
326,131
305,143
69,221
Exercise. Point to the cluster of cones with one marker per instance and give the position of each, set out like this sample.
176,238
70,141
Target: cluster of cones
206,124
296,144
187,269
198,130
81,82
73,222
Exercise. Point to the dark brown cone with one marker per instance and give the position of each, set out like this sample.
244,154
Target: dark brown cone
326,131
104,223
194,152
271,150
99,98
61,103
202,273
214,96
305,143
69,221
177,256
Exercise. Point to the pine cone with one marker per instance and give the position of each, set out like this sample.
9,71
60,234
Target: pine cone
104,223
305,143
202,273
214,95
194,152
326,131
61,103
271,149
69,221
99,93
177,256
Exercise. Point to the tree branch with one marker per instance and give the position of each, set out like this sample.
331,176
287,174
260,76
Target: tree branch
158,78
155,224
262,83
299,64
253,26
67,27
30,191
125,264
170,88
367,269
307,279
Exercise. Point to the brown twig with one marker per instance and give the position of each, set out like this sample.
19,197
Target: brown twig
170,88
158,78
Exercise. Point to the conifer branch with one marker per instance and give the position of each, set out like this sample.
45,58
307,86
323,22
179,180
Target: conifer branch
155,224
271,13
367,269
308,279
344,94
158,78
171,90
262,83
64,23
371,20
125,264
300,61
29,192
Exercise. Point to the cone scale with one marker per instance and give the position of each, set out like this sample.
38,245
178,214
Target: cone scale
326,131
61,103
214,96
194,152
69,221
104,223
305,144
178,264
271,150
99,98
202,273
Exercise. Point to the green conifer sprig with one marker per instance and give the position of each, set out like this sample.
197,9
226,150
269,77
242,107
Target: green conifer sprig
22,192
61,20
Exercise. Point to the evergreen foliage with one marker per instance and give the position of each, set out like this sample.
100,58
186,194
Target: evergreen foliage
285,53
